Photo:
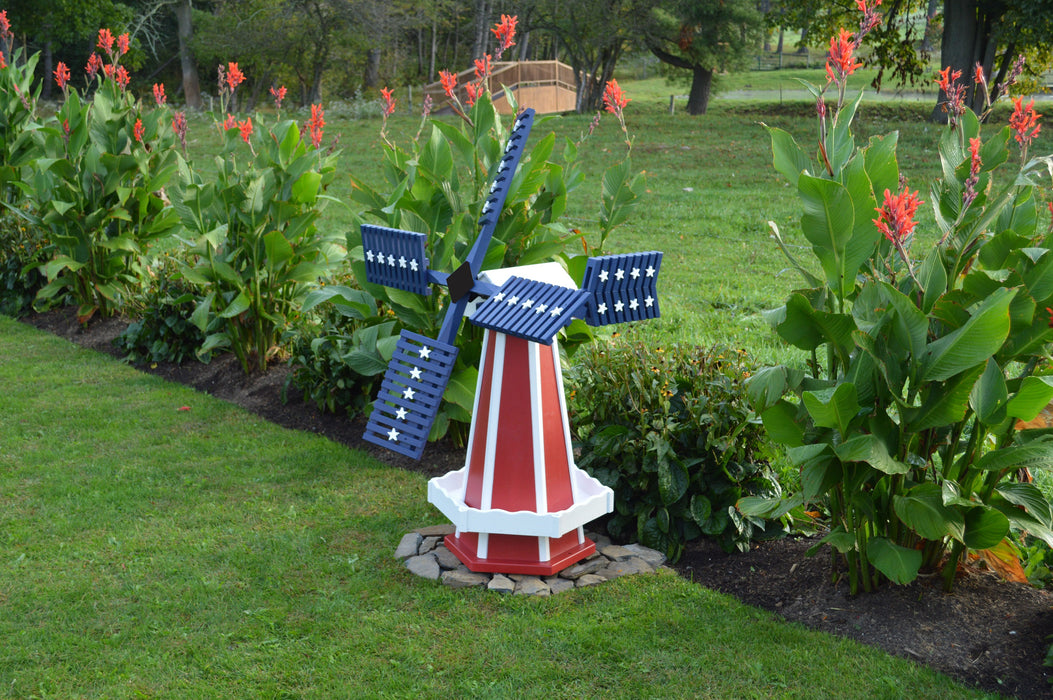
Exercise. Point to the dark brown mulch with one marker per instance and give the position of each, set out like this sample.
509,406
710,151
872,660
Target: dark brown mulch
988,633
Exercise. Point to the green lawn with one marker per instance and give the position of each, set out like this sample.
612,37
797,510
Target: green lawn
148,551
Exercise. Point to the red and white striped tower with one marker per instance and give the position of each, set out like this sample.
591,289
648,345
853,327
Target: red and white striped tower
520,502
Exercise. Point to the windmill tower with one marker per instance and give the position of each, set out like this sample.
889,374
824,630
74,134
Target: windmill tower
520,503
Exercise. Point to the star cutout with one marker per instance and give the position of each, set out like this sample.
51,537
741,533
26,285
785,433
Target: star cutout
402,261
601,309
415,372
635,273
391,260
603,275
634,305
649,301
369,255
401,413
618,306
413,265
540,308
408,393
650,271
500,296
425,352
393,435
556,311
528,303
512,301
619,274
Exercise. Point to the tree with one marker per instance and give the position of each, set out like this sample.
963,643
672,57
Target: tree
703,37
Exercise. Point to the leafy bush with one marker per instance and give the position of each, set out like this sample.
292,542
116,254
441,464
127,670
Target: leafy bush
162,330
21,254
671,432
903,425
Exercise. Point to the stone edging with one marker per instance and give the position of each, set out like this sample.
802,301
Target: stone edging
426,556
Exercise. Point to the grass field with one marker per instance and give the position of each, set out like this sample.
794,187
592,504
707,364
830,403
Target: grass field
148,551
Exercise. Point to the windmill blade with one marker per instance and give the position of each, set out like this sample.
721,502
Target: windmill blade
396,258
530,309
410,394
622,288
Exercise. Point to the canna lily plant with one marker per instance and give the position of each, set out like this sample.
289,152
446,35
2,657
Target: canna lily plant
922,363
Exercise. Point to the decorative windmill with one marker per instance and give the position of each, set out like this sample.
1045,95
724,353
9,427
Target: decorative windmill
520,503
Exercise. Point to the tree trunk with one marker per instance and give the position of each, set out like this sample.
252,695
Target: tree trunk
967,41
930,15
49,70
372,73
482,28
185,30
701,82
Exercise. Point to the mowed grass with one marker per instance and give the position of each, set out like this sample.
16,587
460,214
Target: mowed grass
156,542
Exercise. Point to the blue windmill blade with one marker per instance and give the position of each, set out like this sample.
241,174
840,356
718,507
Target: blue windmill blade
410,394
530,309
396,258
622,288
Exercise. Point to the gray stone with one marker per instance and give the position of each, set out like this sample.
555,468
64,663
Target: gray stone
463,578
428,544
435,530
633,565
651,556
589,566
532,585
425,566
408,545
447,559
558,585
501,584
615,552
600,540
589,580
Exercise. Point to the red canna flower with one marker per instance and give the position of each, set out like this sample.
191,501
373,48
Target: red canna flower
122,44
109,70
473,91
614,99
449,82
5,24
389,102
3,63
159,94
841,63
505,32
975,164
179,127
121,76
62,75
896,215
230,122
234,76
245,128
315,125
483,67
94,66
278,96
1024,121
138,130
955,92
105,41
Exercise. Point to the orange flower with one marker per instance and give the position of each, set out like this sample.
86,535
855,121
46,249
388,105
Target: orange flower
279,96
896,215
389,102
841,63
505,33
483,67
138,130
1024,121
5,24
94,66
449,82
245,128
122,44
105,41
473,91
975,163
315,124
614,99
230,122
159,94
234,76
62,75
179,127
121,76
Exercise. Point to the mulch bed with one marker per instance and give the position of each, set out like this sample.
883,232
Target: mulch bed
988,633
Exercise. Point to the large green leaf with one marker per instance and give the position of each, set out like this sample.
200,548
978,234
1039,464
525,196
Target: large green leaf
985,527
1037,454
279,250
782,424
899,564
787,157
943,403
1030,498
306,188
1034,394
968,346
989,395
672,480
833,408
923,510
807,328
870,449
828,223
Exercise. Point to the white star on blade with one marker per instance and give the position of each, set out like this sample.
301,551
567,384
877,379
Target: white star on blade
619,274
500,296
618,306
413,265
528,303
512,301
401,413
601,309
540,308
393,435
650,271
634,305
649,301
635,273
391,260
603,275
415,373
425,352
408,393
556,311
369,255
402,261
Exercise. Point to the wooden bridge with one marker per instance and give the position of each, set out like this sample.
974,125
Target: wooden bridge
545,86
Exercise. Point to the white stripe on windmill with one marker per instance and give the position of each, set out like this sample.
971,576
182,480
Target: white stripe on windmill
520,503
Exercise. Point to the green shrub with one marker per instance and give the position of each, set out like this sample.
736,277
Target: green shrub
21,253
671,432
